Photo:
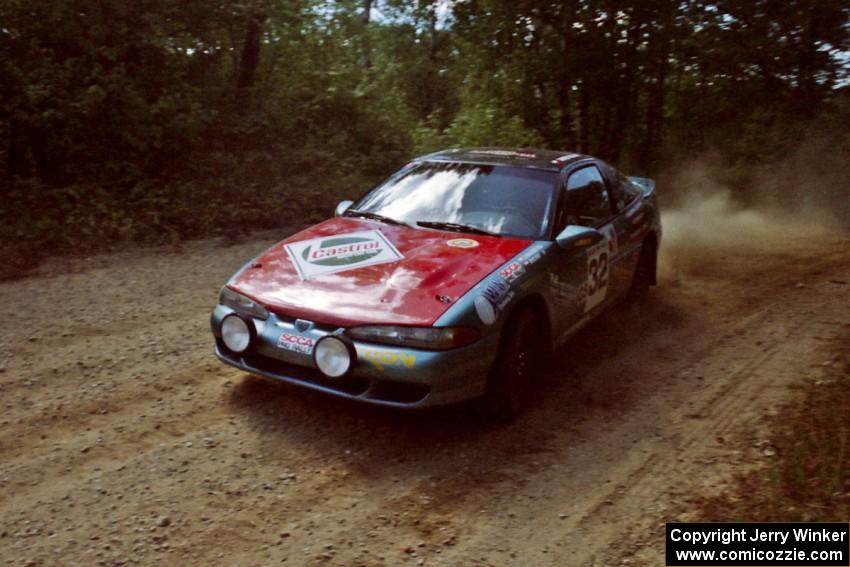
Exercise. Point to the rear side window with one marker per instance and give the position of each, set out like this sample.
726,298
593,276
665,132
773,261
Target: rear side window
627,189
620,189
587,202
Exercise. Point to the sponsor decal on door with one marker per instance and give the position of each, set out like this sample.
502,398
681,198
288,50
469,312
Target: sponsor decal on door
599,268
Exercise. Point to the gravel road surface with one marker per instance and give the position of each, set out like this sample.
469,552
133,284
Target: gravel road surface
124,441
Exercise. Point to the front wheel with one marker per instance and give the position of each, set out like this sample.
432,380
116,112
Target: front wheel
518,364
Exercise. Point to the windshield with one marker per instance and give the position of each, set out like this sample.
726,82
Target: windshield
503,200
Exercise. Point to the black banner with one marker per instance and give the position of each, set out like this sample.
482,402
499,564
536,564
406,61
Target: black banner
758,544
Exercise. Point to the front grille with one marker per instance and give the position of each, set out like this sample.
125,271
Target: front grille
350,385
364,388
400,392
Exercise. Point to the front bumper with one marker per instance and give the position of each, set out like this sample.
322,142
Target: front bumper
383,374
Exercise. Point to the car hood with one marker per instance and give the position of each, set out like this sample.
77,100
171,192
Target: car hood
417,265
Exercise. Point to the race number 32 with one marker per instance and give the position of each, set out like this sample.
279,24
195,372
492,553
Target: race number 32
597,275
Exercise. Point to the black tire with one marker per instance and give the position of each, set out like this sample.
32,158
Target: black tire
644,273
518,364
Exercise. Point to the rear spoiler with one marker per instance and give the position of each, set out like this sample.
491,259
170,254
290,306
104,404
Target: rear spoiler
646,185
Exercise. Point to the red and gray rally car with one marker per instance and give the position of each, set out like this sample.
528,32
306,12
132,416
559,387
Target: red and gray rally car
452,279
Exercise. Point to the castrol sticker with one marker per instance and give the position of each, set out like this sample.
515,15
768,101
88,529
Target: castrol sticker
332,254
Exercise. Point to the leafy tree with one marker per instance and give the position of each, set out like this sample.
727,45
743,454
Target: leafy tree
120,114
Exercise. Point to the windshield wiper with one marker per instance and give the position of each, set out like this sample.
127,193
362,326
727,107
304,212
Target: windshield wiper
374,216
455,227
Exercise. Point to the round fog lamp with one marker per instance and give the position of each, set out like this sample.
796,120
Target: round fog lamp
334,355
236,333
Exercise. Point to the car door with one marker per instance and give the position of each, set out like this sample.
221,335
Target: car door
580,279
625,256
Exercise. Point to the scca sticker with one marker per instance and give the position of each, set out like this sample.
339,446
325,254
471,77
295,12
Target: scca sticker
512,271
296,343
331,254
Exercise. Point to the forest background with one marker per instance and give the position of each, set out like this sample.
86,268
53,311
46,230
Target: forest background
156,121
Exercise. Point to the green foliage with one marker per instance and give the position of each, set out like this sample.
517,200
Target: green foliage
485,123
85,219
428,137
481,123
121,115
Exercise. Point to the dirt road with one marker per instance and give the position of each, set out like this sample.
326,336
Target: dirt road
124,441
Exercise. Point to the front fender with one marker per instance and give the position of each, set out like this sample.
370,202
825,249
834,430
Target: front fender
513,282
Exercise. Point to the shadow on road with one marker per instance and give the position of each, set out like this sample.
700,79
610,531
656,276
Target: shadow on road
592,380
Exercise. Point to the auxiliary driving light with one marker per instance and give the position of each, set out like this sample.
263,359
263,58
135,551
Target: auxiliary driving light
334,355
237,333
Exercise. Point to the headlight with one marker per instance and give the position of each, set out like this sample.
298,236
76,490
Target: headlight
237,333
437,338
334,355
242,304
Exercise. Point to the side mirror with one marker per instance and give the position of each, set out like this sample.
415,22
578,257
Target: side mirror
342,207
574,237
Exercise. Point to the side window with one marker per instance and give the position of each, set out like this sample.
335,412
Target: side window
628,190
613,185
587,201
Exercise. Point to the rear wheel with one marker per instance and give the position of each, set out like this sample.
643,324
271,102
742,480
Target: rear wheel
644,272
517,366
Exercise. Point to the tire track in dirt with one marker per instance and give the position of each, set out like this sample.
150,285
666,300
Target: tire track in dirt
250,472
730,406
657,465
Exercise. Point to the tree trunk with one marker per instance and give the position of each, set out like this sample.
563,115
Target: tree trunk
624,94
567,136
250,59
654,121
806,62
366,53
433,29
584,118
648,153
17,163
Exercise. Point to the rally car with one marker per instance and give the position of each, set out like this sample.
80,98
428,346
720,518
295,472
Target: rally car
452,279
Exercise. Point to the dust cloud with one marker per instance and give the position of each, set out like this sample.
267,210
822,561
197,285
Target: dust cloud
704,220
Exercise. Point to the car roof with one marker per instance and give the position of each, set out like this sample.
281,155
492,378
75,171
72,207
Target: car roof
552,160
